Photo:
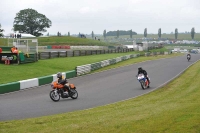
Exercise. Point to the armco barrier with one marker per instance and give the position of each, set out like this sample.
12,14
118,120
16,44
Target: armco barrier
29,83
70,74
105,63
9,87
118,59
112,61
80,70
45,80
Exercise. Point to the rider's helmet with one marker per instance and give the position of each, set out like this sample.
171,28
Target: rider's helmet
59,75
140,69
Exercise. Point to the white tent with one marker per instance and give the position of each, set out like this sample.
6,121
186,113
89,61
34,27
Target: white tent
23,35
26,35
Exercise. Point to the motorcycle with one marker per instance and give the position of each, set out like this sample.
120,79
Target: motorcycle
188,57
58,91
143,81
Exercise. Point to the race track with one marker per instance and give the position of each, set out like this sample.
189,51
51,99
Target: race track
94,90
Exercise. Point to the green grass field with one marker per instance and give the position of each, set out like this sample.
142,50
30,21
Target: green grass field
173,108
64,40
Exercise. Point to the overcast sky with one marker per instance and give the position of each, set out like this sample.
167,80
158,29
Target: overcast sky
85,16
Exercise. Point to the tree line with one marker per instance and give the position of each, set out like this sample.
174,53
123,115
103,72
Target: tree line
120,32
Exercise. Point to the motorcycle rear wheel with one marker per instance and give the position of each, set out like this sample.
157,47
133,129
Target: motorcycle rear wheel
54,96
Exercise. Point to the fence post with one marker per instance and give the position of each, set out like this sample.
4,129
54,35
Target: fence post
73,53
58,54
66,53
49,55
39,56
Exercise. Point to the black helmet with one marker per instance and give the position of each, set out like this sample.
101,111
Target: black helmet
59,75
140,68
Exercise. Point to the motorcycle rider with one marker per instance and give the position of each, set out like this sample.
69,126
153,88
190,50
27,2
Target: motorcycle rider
188,55
63,81
142,71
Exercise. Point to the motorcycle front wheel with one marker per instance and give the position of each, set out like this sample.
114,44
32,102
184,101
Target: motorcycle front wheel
142,84
54,96
74,94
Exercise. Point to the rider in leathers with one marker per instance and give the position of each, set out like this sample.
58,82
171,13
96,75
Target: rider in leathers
63,81
142,71
188,55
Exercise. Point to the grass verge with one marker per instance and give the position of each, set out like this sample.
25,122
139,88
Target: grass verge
172,108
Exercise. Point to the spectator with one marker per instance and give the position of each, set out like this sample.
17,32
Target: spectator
13,49
0,50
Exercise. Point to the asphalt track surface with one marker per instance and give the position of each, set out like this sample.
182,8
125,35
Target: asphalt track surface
94,90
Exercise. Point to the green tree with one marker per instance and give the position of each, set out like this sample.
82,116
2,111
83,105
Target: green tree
159,33
117,33
131,33
92,35
176,33
30,21
192,32
68,33
145,32
1,31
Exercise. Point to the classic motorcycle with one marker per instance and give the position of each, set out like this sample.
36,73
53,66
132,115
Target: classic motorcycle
58,91
143,81
188,57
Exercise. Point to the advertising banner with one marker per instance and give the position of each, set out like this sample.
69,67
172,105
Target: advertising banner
13,57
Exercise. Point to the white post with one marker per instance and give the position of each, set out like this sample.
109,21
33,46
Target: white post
27,46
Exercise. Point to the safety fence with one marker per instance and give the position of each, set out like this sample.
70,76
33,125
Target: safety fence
56,54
